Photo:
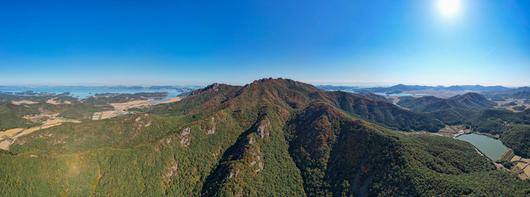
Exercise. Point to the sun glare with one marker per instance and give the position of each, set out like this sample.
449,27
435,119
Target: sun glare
448,8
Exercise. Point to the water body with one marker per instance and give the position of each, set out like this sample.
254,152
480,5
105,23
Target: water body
82,92
490,147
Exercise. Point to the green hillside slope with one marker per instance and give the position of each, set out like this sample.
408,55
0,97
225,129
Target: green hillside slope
269,138
454,110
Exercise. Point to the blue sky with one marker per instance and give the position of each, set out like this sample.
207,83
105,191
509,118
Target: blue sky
376,42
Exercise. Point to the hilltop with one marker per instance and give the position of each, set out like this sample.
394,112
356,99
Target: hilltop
269,137
453,110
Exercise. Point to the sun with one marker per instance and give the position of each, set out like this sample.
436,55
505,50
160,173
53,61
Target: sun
449,8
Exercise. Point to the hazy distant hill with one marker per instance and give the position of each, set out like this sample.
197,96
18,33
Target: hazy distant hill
467,102
403,88
339,88
518,93
271,137
83,92
513,127
453,110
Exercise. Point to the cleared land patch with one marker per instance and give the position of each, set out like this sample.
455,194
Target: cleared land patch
9,136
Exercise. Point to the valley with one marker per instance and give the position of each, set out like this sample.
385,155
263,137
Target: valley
515,105
272,136
490,147
270,98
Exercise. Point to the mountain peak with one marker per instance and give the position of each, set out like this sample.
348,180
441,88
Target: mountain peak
281,86
469,95
215,87
278,81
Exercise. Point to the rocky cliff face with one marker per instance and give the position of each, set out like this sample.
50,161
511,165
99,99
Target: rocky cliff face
271,137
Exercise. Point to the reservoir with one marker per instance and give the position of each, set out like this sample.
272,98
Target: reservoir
490,147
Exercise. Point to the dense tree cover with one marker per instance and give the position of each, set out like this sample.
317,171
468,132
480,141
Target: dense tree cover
340,156
383,112
497,121
271,137
454,110
519,93
519,108
35,97
513,128
467,102
517,137
11,116
473,110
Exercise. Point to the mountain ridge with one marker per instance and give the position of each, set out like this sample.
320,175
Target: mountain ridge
404,88
269,137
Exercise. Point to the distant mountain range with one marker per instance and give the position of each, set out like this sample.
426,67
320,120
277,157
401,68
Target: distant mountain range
454,110
5,88
489,91
468,102
271,137
403,88
519,93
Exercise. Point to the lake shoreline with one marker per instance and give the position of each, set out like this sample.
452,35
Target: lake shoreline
488,145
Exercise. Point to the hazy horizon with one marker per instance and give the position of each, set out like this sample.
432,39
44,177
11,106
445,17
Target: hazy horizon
176,84
265,98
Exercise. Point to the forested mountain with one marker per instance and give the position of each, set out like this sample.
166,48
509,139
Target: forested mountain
467,102
518,93
454,110
513,128
271,137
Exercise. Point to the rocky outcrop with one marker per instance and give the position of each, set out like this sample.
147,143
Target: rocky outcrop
243,159
211,130
169,174
263,129
185,137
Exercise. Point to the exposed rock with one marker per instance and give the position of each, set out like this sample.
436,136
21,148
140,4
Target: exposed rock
185,137
263,129
168,176
256,161
251,140
233,173
168,140
141,122
261,165
253,155
215,87
212,129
